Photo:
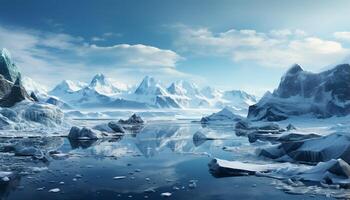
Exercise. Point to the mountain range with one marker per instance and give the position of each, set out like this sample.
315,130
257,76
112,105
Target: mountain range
150,93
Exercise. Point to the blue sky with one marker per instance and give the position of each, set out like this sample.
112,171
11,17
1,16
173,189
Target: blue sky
227,44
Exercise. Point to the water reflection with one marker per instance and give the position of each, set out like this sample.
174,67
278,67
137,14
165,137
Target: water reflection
167,147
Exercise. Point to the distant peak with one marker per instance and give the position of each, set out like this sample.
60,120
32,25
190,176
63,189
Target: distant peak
99,76
295,69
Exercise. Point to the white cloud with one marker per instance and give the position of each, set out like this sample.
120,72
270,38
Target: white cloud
343,35
277,48
50,57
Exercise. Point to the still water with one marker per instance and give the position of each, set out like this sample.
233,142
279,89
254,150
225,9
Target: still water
160,157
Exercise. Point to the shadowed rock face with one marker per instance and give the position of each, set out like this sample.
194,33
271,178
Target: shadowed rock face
17,94
5,86
322,94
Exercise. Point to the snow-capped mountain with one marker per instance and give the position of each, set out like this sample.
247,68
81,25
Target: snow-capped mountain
188,94
238,98
67,86
32,86
107,86
151,91
323,94
103,91
149,86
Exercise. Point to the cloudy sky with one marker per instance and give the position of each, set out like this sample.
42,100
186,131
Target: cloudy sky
230,44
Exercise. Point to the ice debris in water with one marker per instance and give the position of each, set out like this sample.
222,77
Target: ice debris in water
165,194
119,177
54,190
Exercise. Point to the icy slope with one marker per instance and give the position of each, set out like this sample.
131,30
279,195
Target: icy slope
322,95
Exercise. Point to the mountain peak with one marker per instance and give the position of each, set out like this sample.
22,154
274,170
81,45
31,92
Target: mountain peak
294,69
149,86
7,67
98,78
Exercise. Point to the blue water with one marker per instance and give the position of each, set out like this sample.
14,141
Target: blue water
160,156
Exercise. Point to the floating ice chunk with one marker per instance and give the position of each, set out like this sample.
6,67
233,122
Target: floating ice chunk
119,177
150,190
54,190
192,184
166,194
220,168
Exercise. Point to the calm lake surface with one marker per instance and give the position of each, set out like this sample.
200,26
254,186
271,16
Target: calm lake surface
157,158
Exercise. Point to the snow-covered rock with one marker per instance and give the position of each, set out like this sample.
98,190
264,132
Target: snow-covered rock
41,113
7,67
57,102
221,168
84,133
226,115
332,172
110,127
28,114
322,95
116,127
315,150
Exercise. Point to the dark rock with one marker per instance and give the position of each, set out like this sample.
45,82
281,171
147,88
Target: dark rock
116,127
34,97
5,86
291,127
340,168
134,119
76,133
17,94
296,137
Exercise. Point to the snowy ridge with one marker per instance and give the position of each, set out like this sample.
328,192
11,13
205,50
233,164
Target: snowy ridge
149,93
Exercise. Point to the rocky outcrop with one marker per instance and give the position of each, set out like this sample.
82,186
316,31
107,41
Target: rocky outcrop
315,150
322,95
134,119
7,67
17,94
84,133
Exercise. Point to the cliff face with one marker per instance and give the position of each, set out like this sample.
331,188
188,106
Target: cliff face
300,92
